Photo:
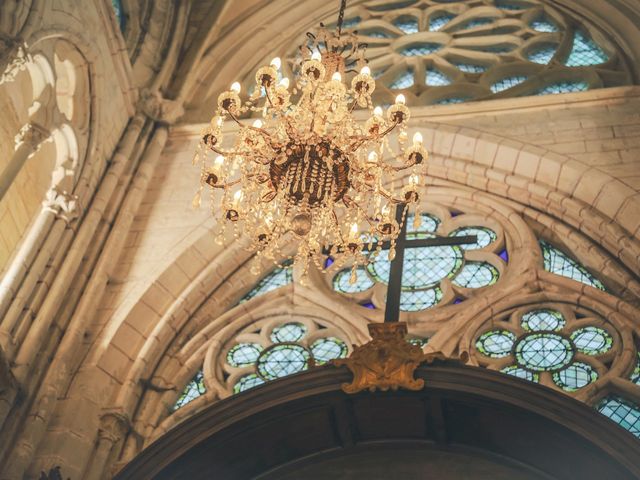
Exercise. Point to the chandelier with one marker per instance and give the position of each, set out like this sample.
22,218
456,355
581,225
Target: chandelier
316,172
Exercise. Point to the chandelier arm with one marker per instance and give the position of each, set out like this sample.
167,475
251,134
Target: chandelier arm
366,217
390,197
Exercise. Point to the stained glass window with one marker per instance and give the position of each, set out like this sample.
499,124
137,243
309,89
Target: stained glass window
404,80
329,348
452,100
341,282
418,49
484,235
507,83
542,54
543,320
470,67
117,9
592,340
543,24
278,278
282,360
563,87
193,390
575,376
289,332
476,275
478,22
247,382
435,78
543,352
391,5
407,24
585,52
635,375
439,21
519,372
351,22
244,354
416,300
377,33
623,412
496,343
558,262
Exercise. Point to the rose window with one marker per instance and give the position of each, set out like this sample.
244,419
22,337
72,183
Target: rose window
275,352
545,346
438,52
431,275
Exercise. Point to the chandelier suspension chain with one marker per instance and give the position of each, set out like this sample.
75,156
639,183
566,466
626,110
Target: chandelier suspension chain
343,5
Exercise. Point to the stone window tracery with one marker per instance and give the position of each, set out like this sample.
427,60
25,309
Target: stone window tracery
480,49
191,391
432,276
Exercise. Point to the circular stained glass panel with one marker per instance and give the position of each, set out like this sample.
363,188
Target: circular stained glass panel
330,348
289,332
546,319
243,354
592,340
476,275
247,382
484,236
496,343
516,371
282,360
575,376
543,351
341,282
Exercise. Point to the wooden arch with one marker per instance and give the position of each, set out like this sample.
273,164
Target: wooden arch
466,423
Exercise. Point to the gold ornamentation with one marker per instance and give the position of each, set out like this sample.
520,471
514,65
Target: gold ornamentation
386,362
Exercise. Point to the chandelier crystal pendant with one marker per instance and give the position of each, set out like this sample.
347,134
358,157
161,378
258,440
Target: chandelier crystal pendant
312,174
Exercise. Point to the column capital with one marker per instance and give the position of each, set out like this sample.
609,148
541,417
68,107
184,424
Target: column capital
32,134
62,204
14,57
160,109
114,426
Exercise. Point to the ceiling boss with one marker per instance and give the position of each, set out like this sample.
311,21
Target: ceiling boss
313,171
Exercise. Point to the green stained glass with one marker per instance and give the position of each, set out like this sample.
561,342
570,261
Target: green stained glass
575,376
543,352
635,375
624,413
193,390
277,278
289,332
496,343
507,83
330,348
404,80
558,262
585,52
542,320
516,371
243,354
419,342
592,340
416,300
342,284
282,360
247,382
476,275
484,235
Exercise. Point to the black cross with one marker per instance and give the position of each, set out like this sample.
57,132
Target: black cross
394,284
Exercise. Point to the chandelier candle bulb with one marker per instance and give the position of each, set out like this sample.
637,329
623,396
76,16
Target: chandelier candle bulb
308,169
417,138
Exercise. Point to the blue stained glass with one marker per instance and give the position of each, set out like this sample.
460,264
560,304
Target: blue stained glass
247,382
504,256
368,305
452,100
350,22
328,262
544,25
478,22
476,275
416,300
193,390
558,262
510,6
484,236
436,78
277,278
404,80
377,33
391,6
623,412
407,25
436,23
542,54
470,67
419,49
563,87
516,371
585,52
635,375
507,83
330,348
341,282
457,300
117,9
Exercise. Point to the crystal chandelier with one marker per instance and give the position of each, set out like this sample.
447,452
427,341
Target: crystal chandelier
311,171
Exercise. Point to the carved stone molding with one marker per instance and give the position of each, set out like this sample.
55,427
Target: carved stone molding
33,135
113,426
386,362
14,57
63,204
160,109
